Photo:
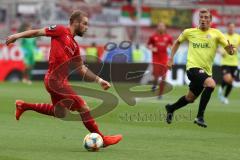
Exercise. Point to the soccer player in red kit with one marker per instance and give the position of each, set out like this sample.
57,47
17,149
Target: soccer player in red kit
158,44
64,50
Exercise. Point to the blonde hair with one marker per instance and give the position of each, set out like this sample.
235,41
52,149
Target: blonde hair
204,10
77,15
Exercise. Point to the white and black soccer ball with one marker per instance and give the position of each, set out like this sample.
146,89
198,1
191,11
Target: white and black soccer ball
92,142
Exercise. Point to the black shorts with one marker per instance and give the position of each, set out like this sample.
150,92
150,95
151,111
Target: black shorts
229,70
197,76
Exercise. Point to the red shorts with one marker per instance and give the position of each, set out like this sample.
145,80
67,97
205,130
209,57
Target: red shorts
63,95
159,70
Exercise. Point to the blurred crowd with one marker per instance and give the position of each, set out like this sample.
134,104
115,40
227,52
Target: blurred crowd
115,21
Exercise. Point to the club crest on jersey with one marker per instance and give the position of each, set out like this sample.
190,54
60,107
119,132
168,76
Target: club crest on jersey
201,71
208,36
52,27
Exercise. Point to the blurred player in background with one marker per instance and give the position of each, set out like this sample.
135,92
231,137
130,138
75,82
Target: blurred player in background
29,47
229,65
203,43
158,43
92,53
64,50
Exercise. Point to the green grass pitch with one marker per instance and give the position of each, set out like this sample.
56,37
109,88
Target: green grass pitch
145,134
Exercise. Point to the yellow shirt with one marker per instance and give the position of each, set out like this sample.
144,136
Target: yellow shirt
231,60
202,47
92,54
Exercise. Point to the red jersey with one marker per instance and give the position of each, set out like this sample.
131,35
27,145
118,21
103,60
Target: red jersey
161,42
63,49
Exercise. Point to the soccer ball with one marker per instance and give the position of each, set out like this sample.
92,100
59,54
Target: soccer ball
92,142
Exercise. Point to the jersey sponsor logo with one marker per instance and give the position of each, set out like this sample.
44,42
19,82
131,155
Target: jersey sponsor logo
201,45
70,50
75,45
52,27
161,44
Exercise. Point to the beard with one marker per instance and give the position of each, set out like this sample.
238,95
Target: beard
80,34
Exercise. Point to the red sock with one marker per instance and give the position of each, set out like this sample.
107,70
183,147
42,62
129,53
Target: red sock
42,108
90,123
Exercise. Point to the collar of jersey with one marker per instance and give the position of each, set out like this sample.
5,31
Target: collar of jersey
202,30
69,32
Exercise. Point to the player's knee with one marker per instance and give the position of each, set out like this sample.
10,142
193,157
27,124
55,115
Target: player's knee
227,77
228,80
190,99
210,84
60,112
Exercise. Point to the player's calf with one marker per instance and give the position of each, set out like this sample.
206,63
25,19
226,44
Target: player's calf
42,108
169,116
205,97
182,101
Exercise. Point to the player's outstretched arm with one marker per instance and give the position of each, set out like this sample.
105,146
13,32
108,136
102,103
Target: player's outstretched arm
90,76
26,34
104,84
174,49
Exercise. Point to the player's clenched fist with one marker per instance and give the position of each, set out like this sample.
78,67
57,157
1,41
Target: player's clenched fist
104,84
11,39
170,63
